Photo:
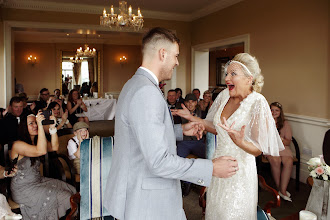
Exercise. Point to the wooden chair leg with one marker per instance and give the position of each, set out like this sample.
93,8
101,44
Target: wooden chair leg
74,202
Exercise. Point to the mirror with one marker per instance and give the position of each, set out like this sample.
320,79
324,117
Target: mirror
81,73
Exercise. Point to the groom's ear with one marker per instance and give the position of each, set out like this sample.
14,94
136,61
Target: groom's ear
162,53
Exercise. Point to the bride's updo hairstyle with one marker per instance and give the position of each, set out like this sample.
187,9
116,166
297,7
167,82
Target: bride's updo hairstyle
253,66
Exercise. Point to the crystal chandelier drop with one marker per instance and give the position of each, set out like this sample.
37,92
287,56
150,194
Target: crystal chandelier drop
125,19
87,52
76,59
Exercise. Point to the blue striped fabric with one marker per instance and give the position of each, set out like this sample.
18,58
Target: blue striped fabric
211,144
95,163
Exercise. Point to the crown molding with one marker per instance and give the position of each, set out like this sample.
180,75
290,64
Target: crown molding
93,9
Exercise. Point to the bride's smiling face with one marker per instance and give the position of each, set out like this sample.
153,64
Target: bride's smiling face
237,82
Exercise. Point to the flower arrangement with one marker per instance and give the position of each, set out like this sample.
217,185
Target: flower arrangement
318,168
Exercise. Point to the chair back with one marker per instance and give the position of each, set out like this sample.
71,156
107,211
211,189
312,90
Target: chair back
211,144
95,160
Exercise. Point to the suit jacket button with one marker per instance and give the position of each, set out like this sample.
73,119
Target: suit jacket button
200,181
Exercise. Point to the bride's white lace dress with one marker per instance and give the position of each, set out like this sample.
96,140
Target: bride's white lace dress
237,197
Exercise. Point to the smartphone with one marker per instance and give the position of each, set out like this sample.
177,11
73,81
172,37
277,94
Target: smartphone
47,121
11,165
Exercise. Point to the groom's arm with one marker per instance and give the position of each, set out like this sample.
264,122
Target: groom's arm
156,141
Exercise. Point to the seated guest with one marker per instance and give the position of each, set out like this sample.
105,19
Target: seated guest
81,133
85,89
57,94
179,98
26,108
41,104
282,175
190,144
173,104
9,124
197,93
62,120
75,106
5,210
39,197
205,103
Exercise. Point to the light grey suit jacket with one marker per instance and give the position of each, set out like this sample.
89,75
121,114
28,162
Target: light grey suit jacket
143,182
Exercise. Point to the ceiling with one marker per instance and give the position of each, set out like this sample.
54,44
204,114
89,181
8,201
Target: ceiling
181,10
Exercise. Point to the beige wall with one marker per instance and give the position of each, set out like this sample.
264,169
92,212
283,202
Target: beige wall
115,74
290,40
40,75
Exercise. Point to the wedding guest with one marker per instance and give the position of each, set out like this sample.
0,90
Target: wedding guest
179,98
81,133
57,93
197,93
5,210
75,106
42,102
205,103
282,174
39,197
173,104
61,117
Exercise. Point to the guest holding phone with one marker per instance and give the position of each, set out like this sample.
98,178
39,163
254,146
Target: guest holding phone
75,106
5,210
39,197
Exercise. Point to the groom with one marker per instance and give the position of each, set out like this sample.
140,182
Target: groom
143,182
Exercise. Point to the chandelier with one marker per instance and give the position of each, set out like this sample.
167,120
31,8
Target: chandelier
76,59
87,52
125,19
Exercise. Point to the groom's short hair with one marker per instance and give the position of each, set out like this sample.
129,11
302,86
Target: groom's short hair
158,35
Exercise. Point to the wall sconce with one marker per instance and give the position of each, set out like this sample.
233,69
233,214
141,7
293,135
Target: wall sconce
32,60
123,60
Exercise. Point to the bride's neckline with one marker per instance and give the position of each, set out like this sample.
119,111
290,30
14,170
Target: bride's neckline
240,105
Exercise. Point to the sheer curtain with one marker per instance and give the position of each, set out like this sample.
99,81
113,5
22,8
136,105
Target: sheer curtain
76,73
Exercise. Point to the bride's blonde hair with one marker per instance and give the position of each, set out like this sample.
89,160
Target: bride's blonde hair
253,66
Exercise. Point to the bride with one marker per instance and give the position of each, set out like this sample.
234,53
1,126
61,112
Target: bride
245,128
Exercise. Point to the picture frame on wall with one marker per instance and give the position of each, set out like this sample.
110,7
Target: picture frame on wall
220,66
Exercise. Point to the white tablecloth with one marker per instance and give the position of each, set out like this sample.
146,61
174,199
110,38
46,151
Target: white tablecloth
100,109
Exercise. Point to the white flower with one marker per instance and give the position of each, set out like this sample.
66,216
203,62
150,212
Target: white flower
315,161
327,169
325,177
313,173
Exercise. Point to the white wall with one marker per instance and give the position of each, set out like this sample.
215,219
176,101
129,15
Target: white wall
200,73
309,133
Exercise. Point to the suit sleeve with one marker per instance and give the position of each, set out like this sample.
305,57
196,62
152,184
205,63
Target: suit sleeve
154,139
178,132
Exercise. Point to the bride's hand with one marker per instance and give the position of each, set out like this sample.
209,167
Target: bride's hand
184,112
236,136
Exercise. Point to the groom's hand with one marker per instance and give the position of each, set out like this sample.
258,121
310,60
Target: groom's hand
193,129
224,167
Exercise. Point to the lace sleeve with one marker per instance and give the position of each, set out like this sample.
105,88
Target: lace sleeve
261,129
215,106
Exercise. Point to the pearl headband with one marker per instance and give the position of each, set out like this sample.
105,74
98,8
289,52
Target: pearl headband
234,61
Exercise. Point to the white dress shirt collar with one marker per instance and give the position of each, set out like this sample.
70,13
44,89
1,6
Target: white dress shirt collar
151,73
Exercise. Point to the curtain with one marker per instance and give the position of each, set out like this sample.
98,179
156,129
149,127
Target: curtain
77,72
91,69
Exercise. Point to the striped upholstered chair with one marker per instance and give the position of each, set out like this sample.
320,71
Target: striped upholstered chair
262,214
95,163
